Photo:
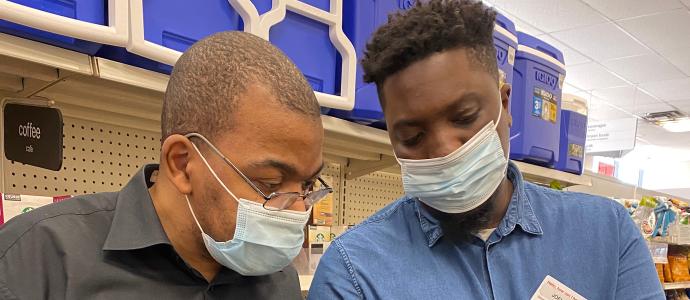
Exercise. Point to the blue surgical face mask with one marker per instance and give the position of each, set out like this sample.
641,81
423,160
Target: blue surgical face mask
265,241
462,180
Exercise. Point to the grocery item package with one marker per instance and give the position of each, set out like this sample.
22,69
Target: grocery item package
679,267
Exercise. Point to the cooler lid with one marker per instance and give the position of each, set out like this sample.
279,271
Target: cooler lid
574,103
506,27
527,40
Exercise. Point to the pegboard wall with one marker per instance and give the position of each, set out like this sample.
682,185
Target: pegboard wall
363,196
99,157
333,176
96,158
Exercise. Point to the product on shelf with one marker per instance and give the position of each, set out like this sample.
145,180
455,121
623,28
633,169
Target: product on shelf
664,215
319,234
678,264
660,271
322,214
667,273
643,214
13,205
538,77
571,156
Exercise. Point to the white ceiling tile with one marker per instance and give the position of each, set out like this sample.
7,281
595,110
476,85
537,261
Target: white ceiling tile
624,96
670,90
680,57
662,31
607,114
644,68
683,105
598,109
619,9
549,15
601,42
572,57
520,25
590,76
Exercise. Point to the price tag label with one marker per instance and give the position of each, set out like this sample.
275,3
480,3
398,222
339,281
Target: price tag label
659,252
552,289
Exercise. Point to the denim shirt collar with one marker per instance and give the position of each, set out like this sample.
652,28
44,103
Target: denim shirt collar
520,212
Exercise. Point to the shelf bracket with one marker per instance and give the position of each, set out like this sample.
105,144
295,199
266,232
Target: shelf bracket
356,168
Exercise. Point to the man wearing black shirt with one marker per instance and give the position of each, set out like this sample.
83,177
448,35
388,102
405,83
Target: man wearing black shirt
220,217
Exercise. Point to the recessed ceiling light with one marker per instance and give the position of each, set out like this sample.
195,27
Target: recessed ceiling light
677,125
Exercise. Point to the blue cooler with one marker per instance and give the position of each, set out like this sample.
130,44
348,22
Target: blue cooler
176,24
92,11
506,42
536,100
573,134
307,43
360,21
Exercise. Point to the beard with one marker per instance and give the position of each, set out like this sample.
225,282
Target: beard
463,227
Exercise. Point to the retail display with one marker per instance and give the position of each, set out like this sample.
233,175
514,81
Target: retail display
182,25
571,156
85,10
323,211
506,43
360,21
536,101
13,205
549,128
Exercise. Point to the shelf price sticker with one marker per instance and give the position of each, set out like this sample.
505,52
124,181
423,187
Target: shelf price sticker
552,289
659,252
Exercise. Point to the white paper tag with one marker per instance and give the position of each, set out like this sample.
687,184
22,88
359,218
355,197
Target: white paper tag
552,289
511,56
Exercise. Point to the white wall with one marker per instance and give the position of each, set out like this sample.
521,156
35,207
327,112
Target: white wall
667,176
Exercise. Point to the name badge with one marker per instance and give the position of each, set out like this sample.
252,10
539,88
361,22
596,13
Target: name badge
552,289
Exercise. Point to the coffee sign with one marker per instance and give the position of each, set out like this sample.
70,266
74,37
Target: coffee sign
33,135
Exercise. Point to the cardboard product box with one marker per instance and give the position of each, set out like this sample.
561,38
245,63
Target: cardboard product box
337,231
319,234
14,205
322,214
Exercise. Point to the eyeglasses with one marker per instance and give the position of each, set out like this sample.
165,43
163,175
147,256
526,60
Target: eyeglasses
276,200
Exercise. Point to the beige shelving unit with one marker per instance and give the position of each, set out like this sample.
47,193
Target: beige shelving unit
112,127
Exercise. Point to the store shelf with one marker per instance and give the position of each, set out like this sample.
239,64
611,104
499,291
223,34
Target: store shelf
43,54
672,285
106,91
667,240
537,174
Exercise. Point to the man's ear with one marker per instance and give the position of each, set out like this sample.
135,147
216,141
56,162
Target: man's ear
505,101
175,156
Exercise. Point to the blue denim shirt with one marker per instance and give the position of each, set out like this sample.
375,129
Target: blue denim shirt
586,242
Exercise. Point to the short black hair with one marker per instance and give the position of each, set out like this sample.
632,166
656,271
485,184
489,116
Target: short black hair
212,74
428,28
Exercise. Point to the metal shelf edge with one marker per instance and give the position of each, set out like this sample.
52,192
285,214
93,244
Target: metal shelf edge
130,75
44,54
676,285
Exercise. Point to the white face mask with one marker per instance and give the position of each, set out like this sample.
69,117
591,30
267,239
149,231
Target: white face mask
462,180
265,241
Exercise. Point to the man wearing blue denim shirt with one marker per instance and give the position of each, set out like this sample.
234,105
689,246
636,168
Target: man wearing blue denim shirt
470,227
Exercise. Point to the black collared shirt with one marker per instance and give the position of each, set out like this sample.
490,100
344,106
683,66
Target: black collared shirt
112,246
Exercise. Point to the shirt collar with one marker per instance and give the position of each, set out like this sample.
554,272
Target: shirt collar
136,224
520,212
